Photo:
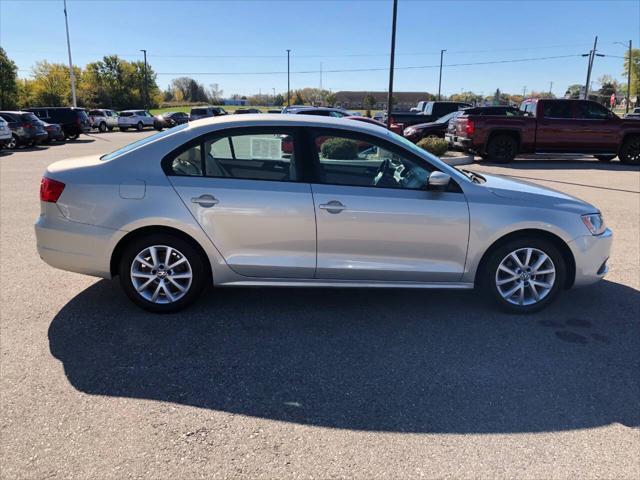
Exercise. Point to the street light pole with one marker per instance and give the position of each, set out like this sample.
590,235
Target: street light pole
71,74
592,55
440,79
391,62
288,78
146,83
626,107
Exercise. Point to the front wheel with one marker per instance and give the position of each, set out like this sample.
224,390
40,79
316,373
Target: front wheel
75,136
524,275
162,273
502,149
630,151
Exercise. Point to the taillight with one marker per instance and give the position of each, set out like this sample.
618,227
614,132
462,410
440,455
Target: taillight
50,190
26,125
470,127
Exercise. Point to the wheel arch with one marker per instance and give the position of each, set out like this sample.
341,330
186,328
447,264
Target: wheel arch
116,254
558,242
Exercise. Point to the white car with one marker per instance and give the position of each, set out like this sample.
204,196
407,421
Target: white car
137,119
103,119
5,132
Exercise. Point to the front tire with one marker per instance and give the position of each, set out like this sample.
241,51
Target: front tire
502,149
630,151
162,273
524,275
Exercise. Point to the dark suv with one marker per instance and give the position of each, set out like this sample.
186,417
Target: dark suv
74,121
25,128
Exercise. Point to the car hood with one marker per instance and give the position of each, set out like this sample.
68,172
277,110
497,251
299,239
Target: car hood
535,195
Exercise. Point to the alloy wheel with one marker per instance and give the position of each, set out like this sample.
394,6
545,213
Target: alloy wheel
525,276
161,274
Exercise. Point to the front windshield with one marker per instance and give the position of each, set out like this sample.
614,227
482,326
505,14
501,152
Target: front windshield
142,142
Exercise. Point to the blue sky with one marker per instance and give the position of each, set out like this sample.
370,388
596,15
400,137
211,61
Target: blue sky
205,39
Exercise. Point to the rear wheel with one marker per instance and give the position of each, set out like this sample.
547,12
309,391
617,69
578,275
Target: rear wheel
75,136
630,151
102,127
524,275
162,273
139,126
502,149
605,158
13,143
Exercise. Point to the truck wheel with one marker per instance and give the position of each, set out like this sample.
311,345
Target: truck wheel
102,127
502,149
630,151
605,158
140,126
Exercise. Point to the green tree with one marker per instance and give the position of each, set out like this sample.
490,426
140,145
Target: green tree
330,99
8,81
298,99
635,71
573,91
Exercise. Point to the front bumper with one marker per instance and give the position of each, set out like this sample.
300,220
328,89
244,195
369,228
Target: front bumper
591,253
73,246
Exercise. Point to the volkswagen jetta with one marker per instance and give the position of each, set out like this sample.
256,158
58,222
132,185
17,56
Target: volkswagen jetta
296,200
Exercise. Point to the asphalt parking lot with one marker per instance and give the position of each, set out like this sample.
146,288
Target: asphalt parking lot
284,383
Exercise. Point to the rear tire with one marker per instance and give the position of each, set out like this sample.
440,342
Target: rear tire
518,287
630,151
502,149
13,143
139,126
75,136
605,158
171,287
102,127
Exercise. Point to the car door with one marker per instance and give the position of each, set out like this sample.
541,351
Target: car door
375,219
243,187
555,129
596,129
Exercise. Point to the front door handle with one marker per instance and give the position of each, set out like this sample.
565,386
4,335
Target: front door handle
333,206
205,200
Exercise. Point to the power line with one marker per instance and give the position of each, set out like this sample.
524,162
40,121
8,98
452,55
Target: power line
376,69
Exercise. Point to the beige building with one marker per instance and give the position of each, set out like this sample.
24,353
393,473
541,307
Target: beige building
404,100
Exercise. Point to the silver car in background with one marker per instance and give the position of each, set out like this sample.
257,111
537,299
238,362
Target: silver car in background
138,119
297,200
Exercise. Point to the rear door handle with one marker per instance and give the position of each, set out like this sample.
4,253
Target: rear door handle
333,206
206,200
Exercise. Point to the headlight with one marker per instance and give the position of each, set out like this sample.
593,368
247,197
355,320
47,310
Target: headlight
594,222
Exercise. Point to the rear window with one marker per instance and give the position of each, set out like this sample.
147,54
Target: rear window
83,115
29,117
126,114
142,142
96,113
198,111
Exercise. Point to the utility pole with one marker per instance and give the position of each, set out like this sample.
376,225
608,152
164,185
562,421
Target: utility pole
274,95
626,107
391,62
146,83
288,79
592,54
551,88
524,93
72,75
440,79
320,76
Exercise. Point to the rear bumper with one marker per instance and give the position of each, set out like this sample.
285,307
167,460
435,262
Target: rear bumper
454,141
591,253
74,246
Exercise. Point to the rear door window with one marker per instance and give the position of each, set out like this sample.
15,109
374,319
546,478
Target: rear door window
557,110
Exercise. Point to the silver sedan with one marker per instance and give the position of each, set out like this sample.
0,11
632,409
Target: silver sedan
279,200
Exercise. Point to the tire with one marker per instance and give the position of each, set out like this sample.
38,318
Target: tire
630,151
160,285
605,158
546,285
124,129
75,136
502,149
13,143
139,126
102,127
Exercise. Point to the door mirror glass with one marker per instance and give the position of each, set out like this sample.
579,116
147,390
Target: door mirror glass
438,181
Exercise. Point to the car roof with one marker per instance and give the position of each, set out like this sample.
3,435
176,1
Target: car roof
277,119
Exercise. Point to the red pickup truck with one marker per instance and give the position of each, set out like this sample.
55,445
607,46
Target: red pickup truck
549,126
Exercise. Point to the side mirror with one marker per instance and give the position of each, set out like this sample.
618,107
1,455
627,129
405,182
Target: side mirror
438,181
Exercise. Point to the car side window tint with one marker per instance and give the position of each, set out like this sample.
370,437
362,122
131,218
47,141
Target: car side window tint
188,162
557,110
592,111
346,160
259,156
